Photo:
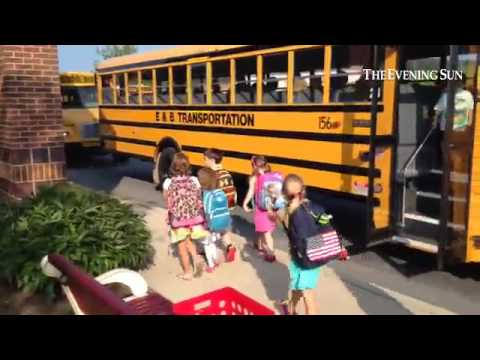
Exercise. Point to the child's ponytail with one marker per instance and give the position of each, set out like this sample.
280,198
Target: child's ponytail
260,163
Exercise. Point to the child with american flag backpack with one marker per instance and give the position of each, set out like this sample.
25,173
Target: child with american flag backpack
313,243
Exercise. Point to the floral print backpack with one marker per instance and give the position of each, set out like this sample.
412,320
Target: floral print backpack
184,202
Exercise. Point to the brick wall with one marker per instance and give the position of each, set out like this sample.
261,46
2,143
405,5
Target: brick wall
31,126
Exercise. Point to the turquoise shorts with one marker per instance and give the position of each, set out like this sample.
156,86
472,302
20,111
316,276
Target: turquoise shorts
303,279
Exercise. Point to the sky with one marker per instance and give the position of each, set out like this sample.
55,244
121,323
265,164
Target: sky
82,57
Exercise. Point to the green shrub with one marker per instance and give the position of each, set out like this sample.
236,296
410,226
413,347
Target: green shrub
94,231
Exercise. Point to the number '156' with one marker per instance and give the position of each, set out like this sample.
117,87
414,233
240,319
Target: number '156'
325,123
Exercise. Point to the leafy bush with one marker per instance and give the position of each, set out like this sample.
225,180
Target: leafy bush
95,231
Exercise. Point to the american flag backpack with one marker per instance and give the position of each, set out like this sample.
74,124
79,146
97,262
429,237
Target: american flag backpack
313,243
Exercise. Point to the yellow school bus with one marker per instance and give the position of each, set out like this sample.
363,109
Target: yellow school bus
80,110
357,122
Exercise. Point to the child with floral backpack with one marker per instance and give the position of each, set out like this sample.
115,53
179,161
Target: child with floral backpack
183,196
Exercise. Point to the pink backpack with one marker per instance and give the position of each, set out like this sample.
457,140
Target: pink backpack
264,182
184,202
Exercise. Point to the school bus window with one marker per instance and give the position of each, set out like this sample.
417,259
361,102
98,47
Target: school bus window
348,81
146,86
221,82
275,69
308,81
246,80
423,65
120,89
79,97
180,85
70,98
133,90
199,84
423,92
162,86
107,89
466,65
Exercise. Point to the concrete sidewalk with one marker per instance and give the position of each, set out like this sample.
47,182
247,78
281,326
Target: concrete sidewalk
264,282
249,274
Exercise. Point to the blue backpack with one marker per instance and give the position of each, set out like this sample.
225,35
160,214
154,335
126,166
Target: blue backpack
217,213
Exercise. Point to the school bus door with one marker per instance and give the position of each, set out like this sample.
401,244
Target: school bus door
381,153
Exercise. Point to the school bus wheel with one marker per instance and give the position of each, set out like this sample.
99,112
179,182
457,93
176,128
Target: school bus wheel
162,164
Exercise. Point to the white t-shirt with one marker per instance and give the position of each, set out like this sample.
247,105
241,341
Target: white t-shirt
167,182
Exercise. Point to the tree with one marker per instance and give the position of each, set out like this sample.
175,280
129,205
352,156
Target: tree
110,51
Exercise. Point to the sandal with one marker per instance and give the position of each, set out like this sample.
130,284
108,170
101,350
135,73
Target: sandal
259,251
186,277
198,271
270,258
284,306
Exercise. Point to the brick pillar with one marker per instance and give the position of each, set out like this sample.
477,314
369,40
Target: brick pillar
31,125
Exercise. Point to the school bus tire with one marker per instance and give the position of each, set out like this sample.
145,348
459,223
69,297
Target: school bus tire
162,164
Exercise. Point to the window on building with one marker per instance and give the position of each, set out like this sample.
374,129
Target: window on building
133,89
180,85
308,76
199,83
163,96
275,73
348,81
221,82
246,80
146,87
107,89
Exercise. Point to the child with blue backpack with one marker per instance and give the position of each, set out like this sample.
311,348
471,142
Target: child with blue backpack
213,159
217,215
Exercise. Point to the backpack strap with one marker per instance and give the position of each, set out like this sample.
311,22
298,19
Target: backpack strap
285,221
206,198
209,202
306,206
308,209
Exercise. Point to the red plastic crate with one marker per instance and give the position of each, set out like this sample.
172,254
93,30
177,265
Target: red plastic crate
226,301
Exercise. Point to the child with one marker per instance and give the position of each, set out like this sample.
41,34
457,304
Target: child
215,204
265,221
185,213
302,281
213,160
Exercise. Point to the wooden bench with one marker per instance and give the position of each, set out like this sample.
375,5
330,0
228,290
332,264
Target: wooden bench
92,296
